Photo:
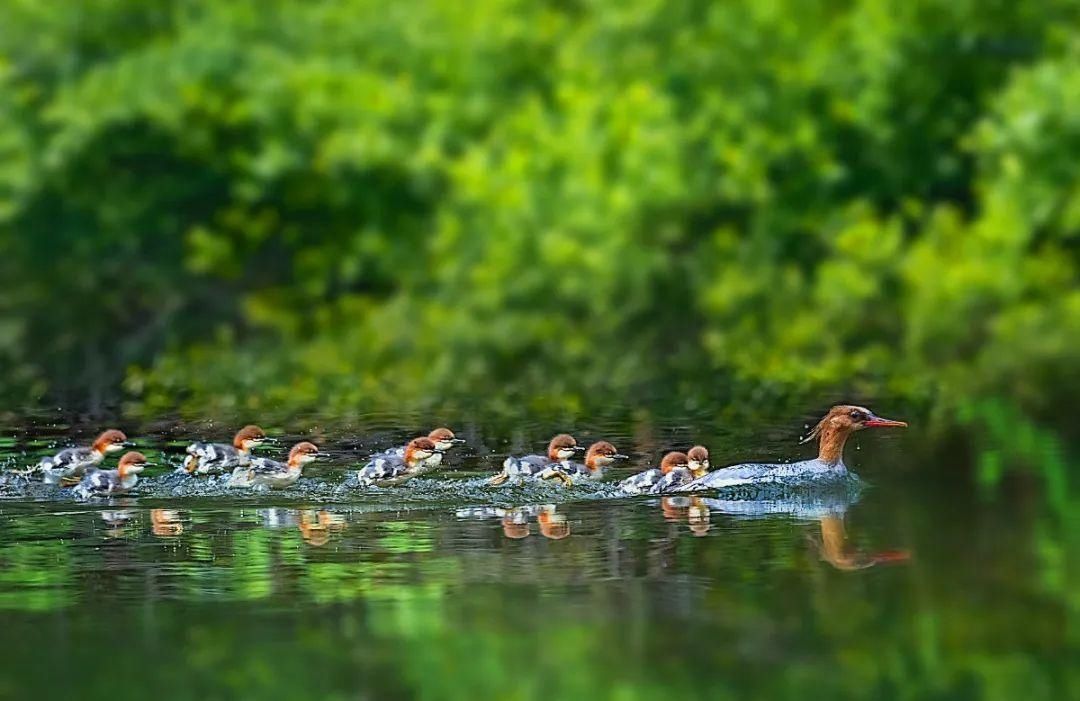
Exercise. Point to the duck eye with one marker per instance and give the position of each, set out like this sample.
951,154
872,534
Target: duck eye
857,415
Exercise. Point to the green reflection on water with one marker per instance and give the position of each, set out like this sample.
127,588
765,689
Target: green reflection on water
923,587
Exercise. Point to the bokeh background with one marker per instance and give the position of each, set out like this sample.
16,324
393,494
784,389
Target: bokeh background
279,206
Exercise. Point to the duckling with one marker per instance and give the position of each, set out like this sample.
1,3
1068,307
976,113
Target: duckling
263,472
218,458
419,456
559,451
108,482
69,465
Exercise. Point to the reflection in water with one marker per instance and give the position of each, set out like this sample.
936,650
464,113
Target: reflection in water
316,527
691,510
117,521
833,548
166,523
515,520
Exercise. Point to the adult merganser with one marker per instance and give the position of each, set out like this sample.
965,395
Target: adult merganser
831,432
109,482
217,458
600,455
70,464
264,472
643,482
559,451
443,438
419,456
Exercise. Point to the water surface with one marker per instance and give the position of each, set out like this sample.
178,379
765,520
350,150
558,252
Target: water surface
912,586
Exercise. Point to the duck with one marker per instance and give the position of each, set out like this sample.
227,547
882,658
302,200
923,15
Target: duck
600,455
69,465
443,438
385,469
559,451
109,482
831,433
271,474
218,458
644,482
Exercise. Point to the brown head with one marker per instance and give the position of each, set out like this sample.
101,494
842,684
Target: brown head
419,450
841,421
672,461
248,437
110,441
699,460
444,438
132,464
562,447
600,455
302,453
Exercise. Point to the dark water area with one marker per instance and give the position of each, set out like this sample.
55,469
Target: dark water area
913,583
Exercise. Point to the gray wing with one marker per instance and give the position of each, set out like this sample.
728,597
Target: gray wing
96,482
527,465
266,466
382,467
670,482
213,456
642,482
69,459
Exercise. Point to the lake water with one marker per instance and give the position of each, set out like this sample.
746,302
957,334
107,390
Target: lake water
915,586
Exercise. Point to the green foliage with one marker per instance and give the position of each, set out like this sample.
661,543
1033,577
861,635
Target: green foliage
351,205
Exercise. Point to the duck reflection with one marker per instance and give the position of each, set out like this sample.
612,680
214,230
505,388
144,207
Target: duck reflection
516,520
166,523
833,548
828,508
689,510
317,527
117,522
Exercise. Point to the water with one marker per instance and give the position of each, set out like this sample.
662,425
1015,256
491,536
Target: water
912,585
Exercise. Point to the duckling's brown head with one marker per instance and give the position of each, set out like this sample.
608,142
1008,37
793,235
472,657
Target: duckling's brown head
673,461
600,455
132,463
110,441
698,458
444,438
248,437
419,450
562,447
302,453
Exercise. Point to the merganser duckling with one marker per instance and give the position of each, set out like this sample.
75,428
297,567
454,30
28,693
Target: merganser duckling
109,482
218,458
559,451
644,482
419,456
697,465
264,472
443,438
831,432
600,455
70,464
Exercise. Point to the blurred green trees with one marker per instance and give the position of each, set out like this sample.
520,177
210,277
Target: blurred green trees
348,203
